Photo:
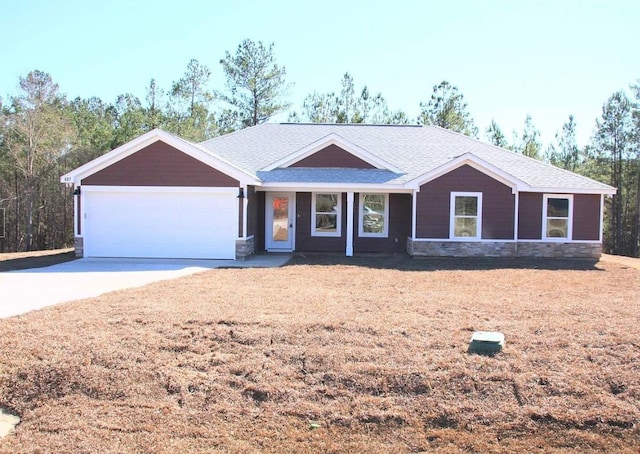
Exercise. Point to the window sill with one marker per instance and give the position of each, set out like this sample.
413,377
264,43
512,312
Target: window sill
373,235
326,235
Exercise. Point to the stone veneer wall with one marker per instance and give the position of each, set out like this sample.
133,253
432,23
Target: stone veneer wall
245,248
503,249
460,249
78,244
559,250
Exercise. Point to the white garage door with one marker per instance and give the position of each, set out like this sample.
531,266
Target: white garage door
167,224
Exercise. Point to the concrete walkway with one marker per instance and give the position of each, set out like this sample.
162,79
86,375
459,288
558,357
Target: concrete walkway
26,290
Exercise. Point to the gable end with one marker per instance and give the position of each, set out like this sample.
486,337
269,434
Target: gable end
333,156
160,164
343,146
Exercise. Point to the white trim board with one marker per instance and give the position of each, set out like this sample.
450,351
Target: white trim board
220,190
452,215
129,148
569,218
340,187
474,162
361,232
338,214
497,174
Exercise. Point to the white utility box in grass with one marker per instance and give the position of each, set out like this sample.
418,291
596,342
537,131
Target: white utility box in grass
486,342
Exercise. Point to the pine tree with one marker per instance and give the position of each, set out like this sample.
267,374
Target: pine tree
447,109
565,153
612,140
495,135
255,83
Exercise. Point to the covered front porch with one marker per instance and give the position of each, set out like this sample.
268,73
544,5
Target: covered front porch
328,219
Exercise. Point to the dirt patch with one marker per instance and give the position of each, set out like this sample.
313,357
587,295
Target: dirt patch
25,260
328,355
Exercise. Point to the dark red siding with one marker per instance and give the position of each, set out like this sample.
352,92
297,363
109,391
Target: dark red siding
79,211
260,225
530,216
333,156
432,204
160,164
241,203
399,227
586,217
304,240
252,211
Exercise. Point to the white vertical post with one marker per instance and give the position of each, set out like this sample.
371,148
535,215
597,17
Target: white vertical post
414,195
516,212
349,250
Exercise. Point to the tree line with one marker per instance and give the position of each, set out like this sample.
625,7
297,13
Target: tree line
43,135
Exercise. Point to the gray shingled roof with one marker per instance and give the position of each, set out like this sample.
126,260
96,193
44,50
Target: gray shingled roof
323,175
415,150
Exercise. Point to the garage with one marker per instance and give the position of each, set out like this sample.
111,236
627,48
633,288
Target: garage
171,222
159,196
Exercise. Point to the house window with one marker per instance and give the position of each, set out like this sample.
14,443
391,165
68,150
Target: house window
466,216
557,217
326,213
374,215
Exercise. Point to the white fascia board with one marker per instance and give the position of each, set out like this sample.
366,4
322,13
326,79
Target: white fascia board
185,189
473,161
602,191
333,139
137,144
336,187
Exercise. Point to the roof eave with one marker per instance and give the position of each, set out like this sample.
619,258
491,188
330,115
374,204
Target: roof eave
127,149
556,190
342,187
474,161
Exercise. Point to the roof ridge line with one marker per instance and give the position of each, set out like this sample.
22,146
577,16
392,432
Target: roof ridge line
288,123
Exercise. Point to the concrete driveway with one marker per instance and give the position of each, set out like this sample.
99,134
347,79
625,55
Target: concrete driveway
26,290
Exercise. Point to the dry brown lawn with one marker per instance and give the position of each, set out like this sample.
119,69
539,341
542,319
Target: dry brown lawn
332,354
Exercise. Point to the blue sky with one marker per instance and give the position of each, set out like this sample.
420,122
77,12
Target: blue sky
507,57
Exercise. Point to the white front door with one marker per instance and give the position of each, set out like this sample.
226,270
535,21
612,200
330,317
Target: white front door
280,219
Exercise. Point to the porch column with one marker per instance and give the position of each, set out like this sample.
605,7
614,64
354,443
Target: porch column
349,250
516,215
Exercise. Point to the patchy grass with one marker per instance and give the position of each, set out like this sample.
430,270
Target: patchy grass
335,355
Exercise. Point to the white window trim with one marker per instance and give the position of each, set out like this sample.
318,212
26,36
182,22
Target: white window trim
338,231
545,198
361,232
452,216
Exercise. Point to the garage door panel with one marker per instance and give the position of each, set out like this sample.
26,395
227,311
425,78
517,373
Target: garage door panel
161,225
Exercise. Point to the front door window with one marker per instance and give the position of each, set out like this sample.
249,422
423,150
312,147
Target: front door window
279,220
280,227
